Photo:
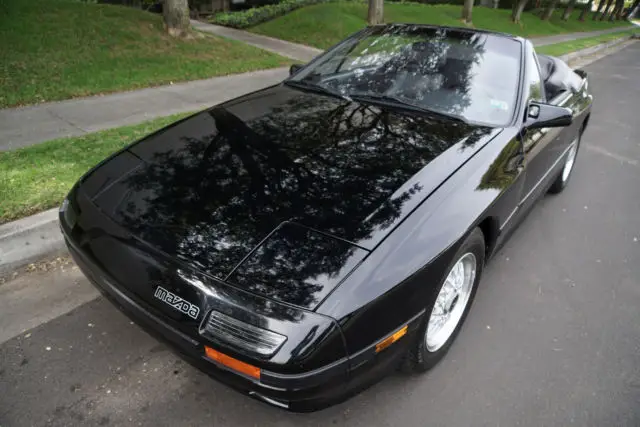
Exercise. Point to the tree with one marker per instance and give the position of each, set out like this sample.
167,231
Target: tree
617,10
467,8
632,8
176,18
606,10
549,10
567,10
518,7
601,4
611,12
375,15
587,8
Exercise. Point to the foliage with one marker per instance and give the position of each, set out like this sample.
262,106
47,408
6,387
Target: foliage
256,15
36,178
54,50
323,25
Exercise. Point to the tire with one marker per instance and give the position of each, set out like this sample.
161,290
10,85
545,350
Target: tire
562,179
422,356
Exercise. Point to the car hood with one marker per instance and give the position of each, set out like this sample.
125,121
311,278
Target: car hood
280,190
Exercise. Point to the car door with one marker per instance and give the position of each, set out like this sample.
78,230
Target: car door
540,145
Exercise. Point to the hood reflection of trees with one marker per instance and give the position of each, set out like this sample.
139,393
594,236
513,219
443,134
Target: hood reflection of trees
318,161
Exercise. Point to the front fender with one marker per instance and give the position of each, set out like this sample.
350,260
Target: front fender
402,275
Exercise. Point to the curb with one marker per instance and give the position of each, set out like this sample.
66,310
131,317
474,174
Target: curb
580,54
38,236
30,239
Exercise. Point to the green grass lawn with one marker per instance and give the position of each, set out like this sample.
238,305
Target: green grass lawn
59,49
325,24
36,178
558,49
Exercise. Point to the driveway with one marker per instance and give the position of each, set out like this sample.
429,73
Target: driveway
553,338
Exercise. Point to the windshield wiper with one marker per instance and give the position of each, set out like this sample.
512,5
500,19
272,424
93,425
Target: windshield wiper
307,85
401,102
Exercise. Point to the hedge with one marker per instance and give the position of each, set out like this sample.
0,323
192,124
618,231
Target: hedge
257,15
254,16
432,2
535,6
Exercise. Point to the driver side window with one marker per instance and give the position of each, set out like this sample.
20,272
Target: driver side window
534,81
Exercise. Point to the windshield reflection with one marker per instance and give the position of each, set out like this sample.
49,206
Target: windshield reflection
469,75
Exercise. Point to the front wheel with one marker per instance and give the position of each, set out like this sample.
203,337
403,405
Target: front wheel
563,178
447,313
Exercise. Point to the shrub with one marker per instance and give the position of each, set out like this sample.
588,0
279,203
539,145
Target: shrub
254,16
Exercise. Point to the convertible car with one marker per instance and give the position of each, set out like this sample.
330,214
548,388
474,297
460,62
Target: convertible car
301,241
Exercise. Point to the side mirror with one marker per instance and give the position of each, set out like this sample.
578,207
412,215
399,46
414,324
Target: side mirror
295,68
541,115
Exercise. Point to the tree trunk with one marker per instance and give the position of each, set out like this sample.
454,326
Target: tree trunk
467,8
618,10
612,11
611,8
549,10
605,12
518,7
376,13
226,5
176,18
615,10
632,8
583,13
568,10
597,13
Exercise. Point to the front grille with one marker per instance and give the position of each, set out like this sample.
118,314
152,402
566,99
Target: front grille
232,331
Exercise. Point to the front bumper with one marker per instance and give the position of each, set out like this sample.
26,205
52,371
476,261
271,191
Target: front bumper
295,392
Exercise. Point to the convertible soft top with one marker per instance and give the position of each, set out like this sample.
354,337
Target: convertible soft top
557,76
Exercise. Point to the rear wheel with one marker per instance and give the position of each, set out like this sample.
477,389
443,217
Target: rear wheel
563,178
445,316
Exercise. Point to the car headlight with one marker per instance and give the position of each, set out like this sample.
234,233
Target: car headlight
232,331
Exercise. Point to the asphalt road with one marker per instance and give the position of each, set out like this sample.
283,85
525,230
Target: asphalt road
553,338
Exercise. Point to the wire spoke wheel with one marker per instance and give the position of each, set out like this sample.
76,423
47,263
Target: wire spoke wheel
570,160
451,302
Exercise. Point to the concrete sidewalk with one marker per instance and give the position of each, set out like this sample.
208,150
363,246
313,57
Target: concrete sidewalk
296,51
20,127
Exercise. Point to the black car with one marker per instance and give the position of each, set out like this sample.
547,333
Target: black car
303,240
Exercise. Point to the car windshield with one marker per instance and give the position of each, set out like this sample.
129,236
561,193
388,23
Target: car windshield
462,74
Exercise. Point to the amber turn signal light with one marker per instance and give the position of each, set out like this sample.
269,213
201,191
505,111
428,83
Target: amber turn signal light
231,363
391,339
